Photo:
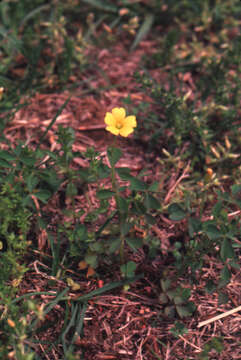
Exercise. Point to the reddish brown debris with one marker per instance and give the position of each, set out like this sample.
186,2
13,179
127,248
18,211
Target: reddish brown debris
124,324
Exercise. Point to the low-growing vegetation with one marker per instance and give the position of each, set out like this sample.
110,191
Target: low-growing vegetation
120,179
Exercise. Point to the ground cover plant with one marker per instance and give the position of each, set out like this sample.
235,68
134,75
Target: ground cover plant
120,179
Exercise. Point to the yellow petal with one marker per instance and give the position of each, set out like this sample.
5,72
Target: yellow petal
130,121
119,113
109,119
125,131
113,130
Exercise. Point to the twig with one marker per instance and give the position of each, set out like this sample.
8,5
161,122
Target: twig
92,127
184,175
220,316
189,343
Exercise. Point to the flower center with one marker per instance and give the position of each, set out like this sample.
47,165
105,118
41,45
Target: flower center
119,124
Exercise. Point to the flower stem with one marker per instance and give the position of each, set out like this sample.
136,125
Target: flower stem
117,196
122,246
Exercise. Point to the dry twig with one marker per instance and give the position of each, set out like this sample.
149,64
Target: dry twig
220,316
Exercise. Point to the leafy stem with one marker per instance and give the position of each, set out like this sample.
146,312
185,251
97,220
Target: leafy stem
114,155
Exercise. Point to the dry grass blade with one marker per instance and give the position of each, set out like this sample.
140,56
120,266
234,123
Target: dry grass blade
101,6
144,29
220,316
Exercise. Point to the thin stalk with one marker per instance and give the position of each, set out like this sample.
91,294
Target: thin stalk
117,196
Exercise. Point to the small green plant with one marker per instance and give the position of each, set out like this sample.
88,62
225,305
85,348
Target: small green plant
15,224
178,329
215,345
175,300
215,236
95,219
134,204
39,47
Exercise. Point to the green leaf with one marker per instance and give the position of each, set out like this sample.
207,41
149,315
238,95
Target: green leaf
27,160
171,294
194,226
216,344
124,173
114,155
154,187
234,264
27,200
165,284
134,243
51,179
212,231
104,194
183,311
222,298
150,219
71,190
91,260
6,155
122,205
81,232
138,208
114,245
163,299
238,203
151,202
216,210
122,188
128,269
210,286
236,189
137,185
225,276
176,212
103,226
178,329
223,195
32,182
43,195
178,300
5,164
170,311
125,228
226,250
144,29
96,247
185,293
103,171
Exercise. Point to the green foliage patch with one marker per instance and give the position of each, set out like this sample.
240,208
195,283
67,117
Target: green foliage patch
42,48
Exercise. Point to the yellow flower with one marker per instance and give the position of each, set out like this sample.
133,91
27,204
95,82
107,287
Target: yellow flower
118,123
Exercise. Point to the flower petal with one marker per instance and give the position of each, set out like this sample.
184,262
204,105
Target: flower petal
119,113
117,122
113,130
109,119
126,130
130,121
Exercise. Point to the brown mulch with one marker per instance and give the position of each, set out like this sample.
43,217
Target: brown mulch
123,324
130,324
